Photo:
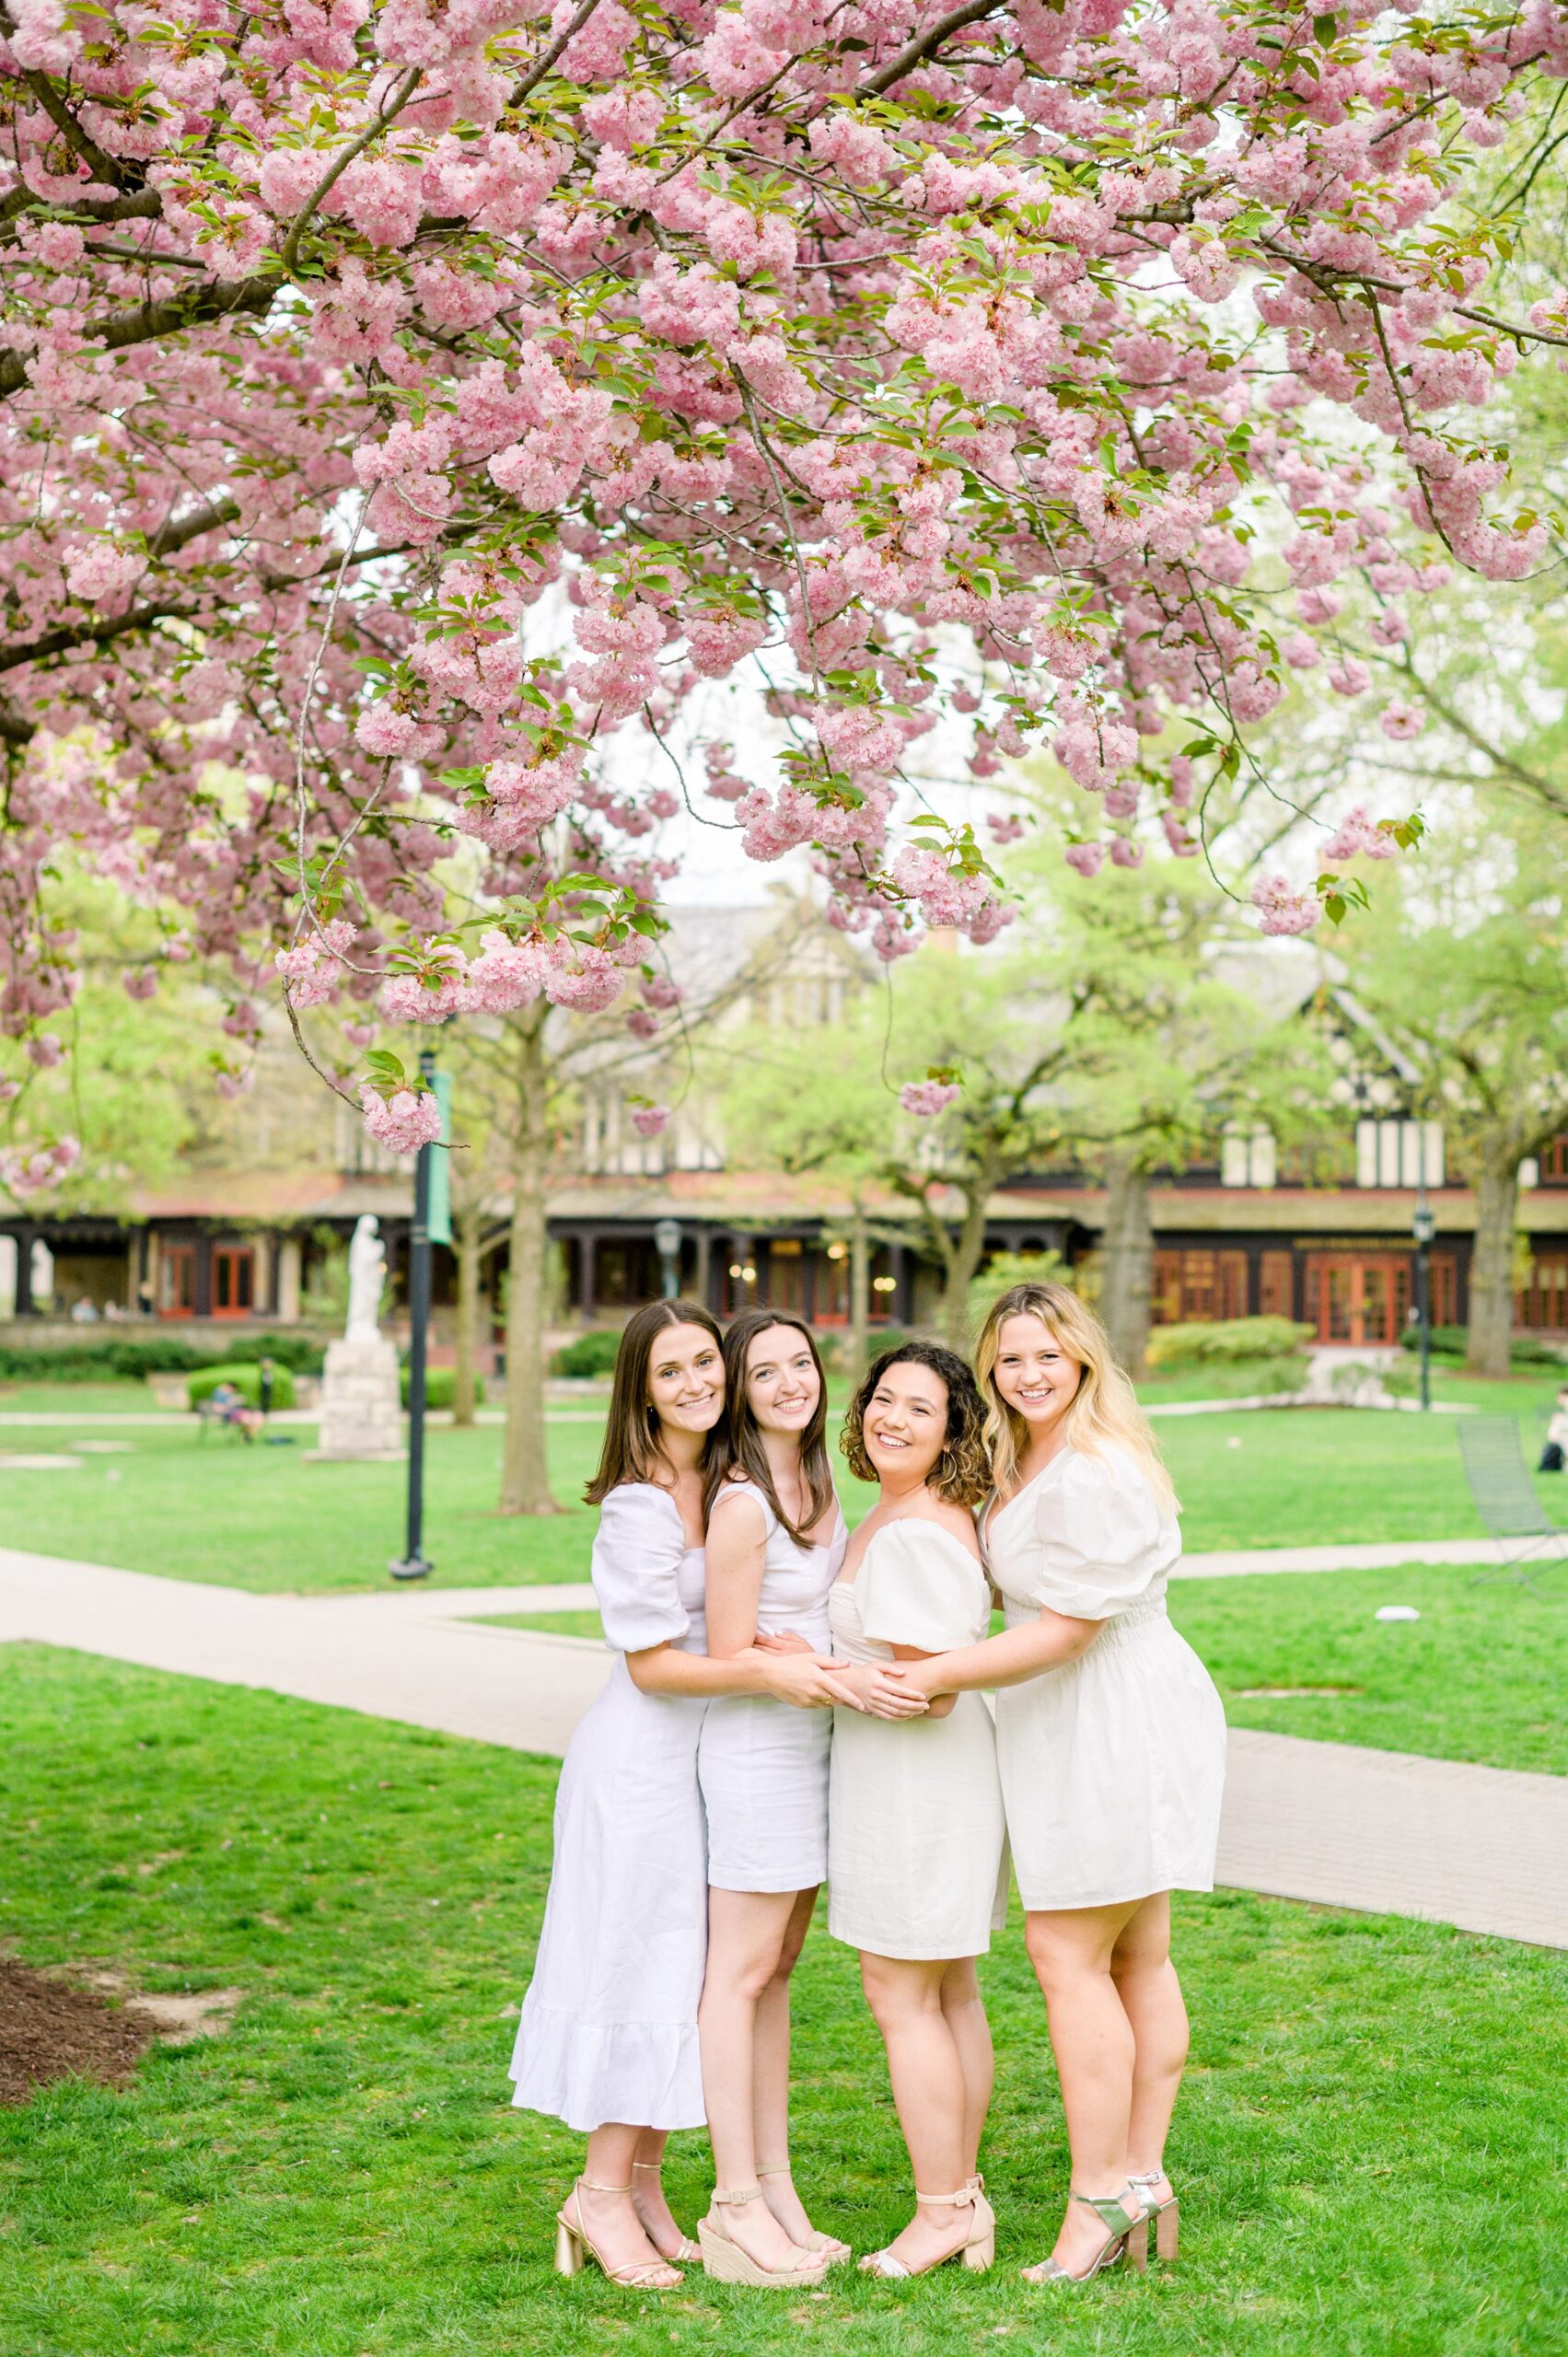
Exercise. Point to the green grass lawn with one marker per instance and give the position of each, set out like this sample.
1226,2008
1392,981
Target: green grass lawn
1366,2143
207,1507
1481,1675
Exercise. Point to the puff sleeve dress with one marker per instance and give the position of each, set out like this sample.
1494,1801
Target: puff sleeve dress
763,1764
916,1843
609,2027
1113,1765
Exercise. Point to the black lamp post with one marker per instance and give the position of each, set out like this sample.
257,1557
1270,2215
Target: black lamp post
1423,1226
413,1563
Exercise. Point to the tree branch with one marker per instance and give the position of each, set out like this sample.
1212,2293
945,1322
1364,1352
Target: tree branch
917,52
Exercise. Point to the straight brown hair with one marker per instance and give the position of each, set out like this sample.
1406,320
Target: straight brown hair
747,1453
631,1451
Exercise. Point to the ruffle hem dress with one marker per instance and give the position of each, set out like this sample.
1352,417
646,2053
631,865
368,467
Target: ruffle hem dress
609,2027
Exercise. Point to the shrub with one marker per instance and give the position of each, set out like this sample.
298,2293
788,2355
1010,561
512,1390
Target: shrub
246,1378
131,1357
589,1357
440,1383
1226,1342
1450,1344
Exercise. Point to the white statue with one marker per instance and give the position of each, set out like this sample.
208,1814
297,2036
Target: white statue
366,1271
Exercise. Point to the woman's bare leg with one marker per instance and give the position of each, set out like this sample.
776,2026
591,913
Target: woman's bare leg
771,2083
1092,2040
610,2221
648,2195
927,2072
1150,1998
746,1937
964,2009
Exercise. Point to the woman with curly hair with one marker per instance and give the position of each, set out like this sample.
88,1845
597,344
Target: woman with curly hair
915,1838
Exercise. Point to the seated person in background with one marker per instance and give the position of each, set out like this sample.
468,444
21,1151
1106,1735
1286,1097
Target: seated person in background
227,1405
1551,1455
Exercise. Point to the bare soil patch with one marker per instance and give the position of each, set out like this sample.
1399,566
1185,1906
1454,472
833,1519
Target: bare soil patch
51,2029
53,2026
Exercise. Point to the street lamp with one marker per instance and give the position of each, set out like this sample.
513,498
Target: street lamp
1423,1227
413,1563
667,1244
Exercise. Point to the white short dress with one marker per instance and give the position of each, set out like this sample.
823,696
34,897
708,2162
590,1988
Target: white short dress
609,2028
763,1764
1112,1766
916,1843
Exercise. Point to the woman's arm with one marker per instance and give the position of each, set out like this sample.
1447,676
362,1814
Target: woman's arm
1009,1659
800,1678
737,1538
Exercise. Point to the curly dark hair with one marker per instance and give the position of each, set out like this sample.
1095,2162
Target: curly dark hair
962,1473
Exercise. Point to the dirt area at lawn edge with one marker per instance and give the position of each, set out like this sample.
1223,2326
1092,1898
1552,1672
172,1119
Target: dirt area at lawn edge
51,2027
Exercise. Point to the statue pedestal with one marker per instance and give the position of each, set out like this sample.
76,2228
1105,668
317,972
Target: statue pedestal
361,1415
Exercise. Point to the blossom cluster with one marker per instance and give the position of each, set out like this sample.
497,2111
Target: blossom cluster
733,333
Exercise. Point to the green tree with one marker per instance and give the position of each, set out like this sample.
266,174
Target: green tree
1460,963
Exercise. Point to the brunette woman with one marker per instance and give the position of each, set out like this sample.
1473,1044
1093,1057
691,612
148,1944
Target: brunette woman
608,2038
775,1541
1111,1741
915,1840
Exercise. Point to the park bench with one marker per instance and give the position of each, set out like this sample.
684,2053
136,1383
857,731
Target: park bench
1508,1503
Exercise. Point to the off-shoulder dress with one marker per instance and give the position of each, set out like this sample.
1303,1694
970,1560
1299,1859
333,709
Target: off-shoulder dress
916,1843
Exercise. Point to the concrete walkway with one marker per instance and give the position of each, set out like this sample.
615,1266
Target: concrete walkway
1481,1848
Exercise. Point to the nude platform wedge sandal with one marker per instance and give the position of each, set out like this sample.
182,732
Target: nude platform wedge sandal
725,2260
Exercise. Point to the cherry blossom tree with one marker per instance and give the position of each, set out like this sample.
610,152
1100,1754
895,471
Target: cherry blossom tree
411,410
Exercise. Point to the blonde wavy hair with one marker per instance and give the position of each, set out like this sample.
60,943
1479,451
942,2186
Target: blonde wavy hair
1103,1412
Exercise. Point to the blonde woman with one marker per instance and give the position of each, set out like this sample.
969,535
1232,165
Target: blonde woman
1110,1741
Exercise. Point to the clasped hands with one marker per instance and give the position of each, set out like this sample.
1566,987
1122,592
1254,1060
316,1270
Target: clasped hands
882,1690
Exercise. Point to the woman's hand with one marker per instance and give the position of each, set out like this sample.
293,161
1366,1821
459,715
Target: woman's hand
806,1681
787,1641
883,1691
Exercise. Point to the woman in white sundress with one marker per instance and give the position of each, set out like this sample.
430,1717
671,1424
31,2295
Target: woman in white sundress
608,2037
1111,1743
775,1541
915,1838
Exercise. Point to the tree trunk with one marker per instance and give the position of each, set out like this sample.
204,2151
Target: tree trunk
1127,1262
525,1480
468,1226
1491,1262
967,1253
859,1295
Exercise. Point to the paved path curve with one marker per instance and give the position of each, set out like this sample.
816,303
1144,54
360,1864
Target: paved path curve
1485,1849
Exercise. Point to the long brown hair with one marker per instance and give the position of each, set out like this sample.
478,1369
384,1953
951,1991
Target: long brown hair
631,1451
748,1452
1104,1410
961,1474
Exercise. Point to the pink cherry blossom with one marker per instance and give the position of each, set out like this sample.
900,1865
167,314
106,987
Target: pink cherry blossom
649,1120
1280,910
404,1121
925,1099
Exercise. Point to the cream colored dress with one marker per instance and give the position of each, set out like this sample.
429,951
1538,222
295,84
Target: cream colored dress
1112,1766
916,1844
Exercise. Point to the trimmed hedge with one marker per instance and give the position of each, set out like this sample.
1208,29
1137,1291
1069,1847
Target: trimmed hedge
440,1383
1450,1343
110,1355
590,1357
246,1378
1227,1342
